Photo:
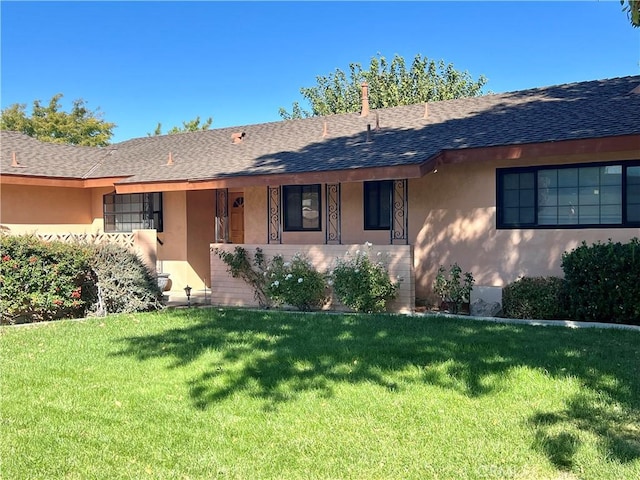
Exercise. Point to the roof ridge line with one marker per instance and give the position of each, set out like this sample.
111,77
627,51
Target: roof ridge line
99,163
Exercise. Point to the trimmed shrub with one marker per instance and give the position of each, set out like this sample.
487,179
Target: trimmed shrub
535,297
123,283
295,283
42,280
361,284
603,282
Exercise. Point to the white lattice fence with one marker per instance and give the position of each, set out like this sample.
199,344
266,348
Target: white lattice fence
125,240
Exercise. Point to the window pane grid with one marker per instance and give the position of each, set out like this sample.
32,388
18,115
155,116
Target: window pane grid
519,198
573,196
124,213
633,194
580,196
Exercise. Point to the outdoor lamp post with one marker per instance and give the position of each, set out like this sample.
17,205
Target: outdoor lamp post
187,290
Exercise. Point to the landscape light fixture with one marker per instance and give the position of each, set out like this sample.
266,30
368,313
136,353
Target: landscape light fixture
187,290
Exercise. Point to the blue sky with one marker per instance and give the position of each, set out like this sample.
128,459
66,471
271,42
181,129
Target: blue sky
142,63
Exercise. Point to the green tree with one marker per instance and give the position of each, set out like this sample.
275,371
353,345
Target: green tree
50,123
190,126
632,7
390,84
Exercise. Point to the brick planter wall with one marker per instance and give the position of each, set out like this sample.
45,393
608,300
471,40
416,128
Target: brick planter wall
229,291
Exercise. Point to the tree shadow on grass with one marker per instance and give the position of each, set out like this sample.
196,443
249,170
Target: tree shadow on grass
278,355
558,433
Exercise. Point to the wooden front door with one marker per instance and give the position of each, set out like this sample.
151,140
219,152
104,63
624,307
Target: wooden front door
236,217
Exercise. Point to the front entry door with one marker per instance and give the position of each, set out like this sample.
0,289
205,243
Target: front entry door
236,217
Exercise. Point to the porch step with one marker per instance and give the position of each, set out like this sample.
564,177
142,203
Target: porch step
177,298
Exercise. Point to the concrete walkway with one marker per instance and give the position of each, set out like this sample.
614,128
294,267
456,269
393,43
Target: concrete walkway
178,298
540,323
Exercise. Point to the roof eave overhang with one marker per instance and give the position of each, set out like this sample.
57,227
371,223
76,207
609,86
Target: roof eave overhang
65,182
330,176
625,146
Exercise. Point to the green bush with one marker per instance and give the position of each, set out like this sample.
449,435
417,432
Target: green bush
123,283
295,283
603,282
361,284
535,297
42,280
452,288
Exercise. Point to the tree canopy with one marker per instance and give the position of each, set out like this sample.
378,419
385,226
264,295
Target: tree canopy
632,7
190,126
50,123
390,84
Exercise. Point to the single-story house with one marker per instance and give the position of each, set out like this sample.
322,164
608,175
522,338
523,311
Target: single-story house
501,184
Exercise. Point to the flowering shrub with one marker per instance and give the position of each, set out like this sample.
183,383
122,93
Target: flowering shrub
362,284
295,283
51,280
42,280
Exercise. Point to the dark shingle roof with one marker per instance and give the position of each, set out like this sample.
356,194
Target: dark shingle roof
582,110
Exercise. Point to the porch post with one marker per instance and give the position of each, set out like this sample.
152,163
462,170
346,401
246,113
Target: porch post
333,218
274,215
399,213
222,216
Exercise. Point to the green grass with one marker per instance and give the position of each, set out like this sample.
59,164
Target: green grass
208,393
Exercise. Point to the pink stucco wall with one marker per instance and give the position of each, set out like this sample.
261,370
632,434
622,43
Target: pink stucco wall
452,218
25,209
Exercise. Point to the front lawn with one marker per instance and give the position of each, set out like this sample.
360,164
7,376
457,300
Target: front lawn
208,393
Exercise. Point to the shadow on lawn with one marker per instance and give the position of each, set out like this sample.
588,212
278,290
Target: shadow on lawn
277,355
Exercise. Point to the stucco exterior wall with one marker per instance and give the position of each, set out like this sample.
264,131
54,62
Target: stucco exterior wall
28,209
172,245
353,232
183,247
452,218
255,215
200,233
229,291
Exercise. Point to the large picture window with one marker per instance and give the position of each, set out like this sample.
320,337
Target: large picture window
124,213
301,208
377,205
569,196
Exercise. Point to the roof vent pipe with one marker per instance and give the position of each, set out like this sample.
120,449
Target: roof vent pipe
365,100
170,159
426,110
325,130
237,137
14,161
368,132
